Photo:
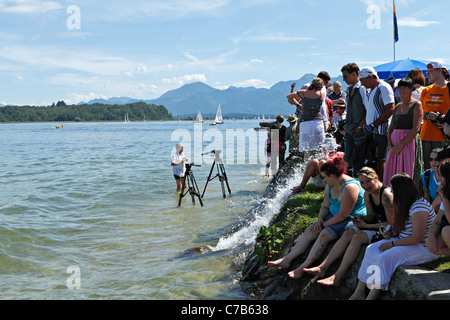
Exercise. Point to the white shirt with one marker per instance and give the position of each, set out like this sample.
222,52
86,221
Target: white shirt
375,102
180,169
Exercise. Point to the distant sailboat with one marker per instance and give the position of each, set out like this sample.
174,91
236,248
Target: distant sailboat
199,118
219,119
126,119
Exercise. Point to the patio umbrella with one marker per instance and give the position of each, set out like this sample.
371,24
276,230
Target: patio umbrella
400,68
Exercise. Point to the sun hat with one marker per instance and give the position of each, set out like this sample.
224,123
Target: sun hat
292,118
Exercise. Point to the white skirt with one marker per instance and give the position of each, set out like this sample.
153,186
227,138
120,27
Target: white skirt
311,135
378,266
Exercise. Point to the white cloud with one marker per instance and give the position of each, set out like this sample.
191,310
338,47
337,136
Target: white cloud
413,22
189,78
52,57
75,98
256,60
257,83
280,37
28,6
17,78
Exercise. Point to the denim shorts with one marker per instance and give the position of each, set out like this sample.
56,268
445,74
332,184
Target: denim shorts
338,229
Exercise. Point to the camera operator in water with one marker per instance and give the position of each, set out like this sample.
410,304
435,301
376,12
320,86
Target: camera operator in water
178,166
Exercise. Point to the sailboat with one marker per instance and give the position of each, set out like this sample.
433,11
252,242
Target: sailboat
127,119
219,119
199,118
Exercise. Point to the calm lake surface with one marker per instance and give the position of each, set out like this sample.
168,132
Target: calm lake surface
90,211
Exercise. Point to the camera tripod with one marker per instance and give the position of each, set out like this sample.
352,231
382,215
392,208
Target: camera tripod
191,184
220,173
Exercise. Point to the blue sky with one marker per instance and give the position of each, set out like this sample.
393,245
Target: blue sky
141,49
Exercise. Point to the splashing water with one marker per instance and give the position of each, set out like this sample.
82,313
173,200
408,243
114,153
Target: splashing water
261,215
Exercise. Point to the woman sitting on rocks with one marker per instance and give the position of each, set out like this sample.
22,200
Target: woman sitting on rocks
439,240
413,216
343,200
378,199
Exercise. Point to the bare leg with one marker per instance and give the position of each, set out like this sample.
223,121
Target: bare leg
316,252
300,247
373,294
337,251
360,292
349,258
311,170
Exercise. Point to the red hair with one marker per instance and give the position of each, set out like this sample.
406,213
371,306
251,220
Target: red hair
335,165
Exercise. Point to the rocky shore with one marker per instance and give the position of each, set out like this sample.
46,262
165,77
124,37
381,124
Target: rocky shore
264,283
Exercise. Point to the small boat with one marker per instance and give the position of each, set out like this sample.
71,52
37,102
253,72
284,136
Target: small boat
213,123
127,119
219,119
199,118
59,127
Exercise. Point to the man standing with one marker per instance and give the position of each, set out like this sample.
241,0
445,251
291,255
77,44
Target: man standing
380,104
354,140
337,96
291,133
436,102
178,167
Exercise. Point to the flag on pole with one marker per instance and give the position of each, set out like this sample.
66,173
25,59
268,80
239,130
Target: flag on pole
395,24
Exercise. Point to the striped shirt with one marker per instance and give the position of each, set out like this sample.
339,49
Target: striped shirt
375,103
420,205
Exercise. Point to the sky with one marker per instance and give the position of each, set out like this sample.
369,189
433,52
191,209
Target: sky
81,50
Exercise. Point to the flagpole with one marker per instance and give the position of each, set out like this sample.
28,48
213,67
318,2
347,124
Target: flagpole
395,26
393,3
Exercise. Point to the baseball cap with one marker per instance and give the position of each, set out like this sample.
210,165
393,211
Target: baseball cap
436,64
367,72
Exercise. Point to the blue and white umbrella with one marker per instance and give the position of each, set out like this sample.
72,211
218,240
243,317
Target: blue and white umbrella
399,69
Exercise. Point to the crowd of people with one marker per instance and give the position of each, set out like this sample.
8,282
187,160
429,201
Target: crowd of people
386,186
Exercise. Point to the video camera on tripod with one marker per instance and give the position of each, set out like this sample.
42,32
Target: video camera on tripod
191,184
221,174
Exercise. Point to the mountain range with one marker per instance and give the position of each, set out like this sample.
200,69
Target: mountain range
188,99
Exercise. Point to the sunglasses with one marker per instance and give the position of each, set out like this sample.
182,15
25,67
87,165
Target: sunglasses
433,159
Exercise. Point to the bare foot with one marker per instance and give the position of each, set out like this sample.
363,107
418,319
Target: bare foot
317,271
297,273
278,263
330,281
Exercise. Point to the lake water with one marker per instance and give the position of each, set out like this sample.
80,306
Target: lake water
90,211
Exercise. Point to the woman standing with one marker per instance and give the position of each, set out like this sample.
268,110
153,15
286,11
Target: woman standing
402,132
343,200
311,125
413,216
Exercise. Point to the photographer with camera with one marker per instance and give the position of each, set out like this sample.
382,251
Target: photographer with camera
179,170
436,102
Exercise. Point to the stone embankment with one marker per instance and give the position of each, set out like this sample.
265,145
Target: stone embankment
264,283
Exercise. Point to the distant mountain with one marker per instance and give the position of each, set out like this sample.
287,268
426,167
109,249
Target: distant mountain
188,99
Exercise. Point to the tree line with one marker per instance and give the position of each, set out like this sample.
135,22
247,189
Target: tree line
60,112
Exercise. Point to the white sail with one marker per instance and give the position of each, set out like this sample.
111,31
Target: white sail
219,119
199,118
